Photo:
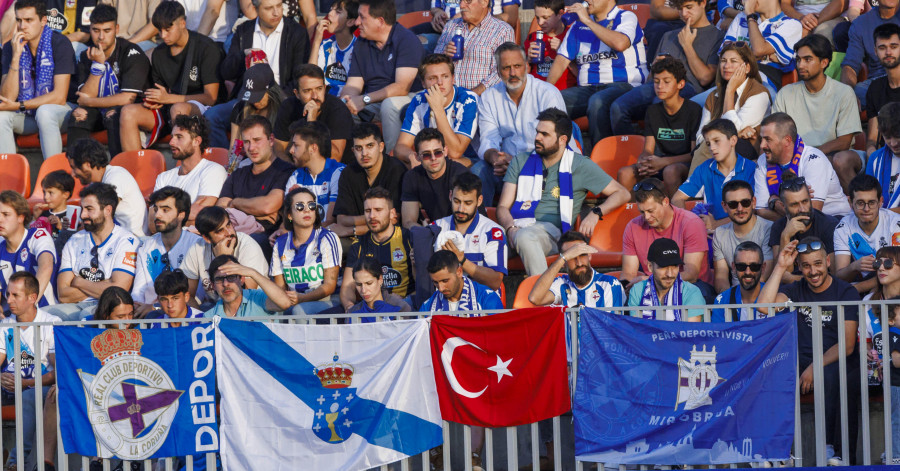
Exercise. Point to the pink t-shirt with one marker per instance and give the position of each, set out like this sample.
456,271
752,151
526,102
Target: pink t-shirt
687,230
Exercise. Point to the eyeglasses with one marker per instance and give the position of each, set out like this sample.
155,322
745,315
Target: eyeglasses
754,267
887,263
793,184
810,247
734,204
95,260
432,155
165,261
229,278
644,186
300,206
860,204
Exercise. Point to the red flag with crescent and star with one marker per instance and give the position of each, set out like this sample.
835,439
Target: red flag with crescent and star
503,370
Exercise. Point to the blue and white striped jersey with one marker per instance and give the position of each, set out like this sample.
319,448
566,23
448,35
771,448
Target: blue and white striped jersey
303,267
452,6
25,257
781,31
324,185
602,291
462,112
485,242
597,62
336,63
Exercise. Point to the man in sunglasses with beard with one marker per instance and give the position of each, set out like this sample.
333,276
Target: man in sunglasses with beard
748,266
817,285
744,226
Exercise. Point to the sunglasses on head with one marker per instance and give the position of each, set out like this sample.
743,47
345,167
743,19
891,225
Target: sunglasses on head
754,267
644,186
734,204
810,247
793,184
735,44
887,263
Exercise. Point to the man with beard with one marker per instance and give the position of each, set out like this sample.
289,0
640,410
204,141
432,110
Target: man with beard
883,90
201,178
580,285
543,192
111,74
387,243
745,226
802,220
506,116
859,236
165,250
817,285
665,287
748,266
310,103
104,254
375,169
316,170
786,155
824,110
425,185
454,291
90,164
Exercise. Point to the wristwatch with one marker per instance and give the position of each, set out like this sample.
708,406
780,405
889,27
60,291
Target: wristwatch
22,106
367,99
753,17
598,211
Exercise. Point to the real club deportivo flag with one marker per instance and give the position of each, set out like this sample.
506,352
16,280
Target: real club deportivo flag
137,394
672,393
502,370
325,397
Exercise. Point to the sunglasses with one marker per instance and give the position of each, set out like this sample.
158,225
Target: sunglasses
300,206
429,155
735,44
95,259
229,278
887,263
754,267
165,261
644,186
734,204
793,184
810,247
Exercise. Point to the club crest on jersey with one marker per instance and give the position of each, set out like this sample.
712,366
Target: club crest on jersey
132,402
332,422
23,255
475,238
398,255
696,378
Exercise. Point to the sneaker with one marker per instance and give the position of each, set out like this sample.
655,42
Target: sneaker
476,462
835,461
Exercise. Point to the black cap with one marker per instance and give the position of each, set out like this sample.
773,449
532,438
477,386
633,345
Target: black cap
664,253
257,80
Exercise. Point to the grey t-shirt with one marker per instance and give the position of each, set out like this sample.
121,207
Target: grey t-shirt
706,44
823,116
725,241
586,176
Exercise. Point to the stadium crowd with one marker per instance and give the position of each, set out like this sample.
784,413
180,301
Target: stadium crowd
375,169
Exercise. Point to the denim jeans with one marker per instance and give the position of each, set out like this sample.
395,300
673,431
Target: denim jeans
594,101
632,106
48,121
72,311
28,422
219,118
490,183
861,88
309,307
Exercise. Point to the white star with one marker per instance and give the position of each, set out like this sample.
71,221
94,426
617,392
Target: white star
501,368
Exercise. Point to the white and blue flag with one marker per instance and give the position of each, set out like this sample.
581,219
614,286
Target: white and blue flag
328,396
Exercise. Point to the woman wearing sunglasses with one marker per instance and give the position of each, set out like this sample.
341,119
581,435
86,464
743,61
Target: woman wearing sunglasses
307,258
739,96
887,274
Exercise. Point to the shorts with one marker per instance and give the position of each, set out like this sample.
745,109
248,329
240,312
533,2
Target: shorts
161,125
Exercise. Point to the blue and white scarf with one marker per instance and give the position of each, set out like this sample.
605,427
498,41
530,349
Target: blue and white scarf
883,160
673,298
29,88
109,83
530,188
467,299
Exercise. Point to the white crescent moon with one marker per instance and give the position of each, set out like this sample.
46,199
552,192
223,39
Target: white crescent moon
447,356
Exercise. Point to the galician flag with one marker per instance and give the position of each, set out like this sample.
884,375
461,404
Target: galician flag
339,397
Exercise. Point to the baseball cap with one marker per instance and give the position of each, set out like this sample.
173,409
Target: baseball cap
257,80
664,253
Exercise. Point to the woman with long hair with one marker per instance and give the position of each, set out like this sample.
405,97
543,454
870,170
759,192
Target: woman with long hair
307,258
115,304
367,277
251,102
887,272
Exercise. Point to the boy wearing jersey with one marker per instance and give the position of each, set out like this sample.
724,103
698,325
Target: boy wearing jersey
858,236
452,109
22,297
334,54
310,151
389,244
102,255
172,291
547,14
23,249
580,285
165,250
607,45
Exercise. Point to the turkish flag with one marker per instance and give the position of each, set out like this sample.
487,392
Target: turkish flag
502,370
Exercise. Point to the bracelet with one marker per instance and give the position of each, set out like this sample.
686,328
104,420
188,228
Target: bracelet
563,257
511,227
354,230
98,68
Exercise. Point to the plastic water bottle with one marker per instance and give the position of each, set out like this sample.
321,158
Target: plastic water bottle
570,17
459,42
539,40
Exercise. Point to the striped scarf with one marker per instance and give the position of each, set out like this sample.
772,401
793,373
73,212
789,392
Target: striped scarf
29,88
773,172
650,298
530,188
467,299
882,161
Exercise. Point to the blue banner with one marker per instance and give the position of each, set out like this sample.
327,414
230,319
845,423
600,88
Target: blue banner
137,394
672,393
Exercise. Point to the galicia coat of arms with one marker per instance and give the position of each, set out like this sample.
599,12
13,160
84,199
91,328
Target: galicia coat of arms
332,422
696,378
132,402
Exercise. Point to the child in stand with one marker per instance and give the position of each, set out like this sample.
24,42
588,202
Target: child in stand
58,187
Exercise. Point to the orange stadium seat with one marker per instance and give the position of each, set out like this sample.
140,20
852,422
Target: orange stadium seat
615,152
607,236
521,299
15,173
54,163
217,155
414,18
32,141
642,10
144,165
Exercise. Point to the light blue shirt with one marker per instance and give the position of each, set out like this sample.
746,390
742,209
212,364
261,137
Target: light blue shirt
253,303
707,181
690,296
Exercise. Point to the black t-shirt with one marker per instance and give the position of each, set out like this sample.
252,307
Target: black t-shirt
203,67
822,227
129,63
354,183
242,183
77,20
839,290
894,339
433,195
333,113
63,56
879,94
673,133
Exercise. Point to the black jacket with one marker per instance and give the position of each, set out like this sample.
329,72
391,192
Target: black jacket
293,53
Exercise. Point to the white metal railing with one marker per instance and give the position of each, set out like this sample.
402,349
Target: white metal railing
491,462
